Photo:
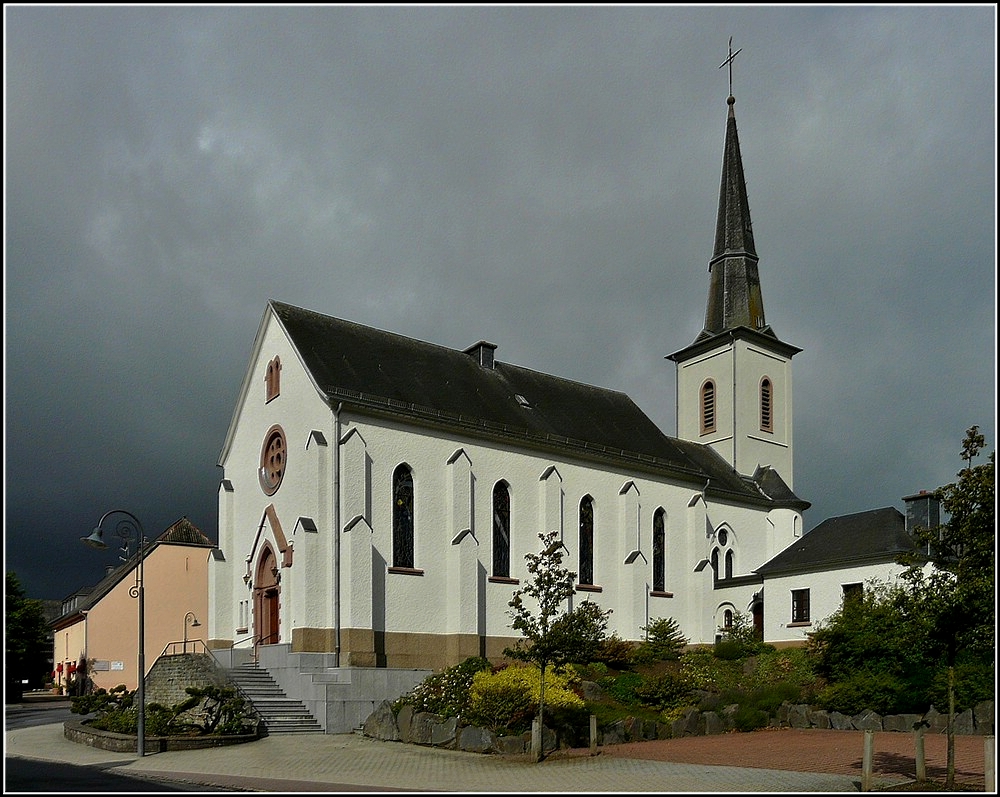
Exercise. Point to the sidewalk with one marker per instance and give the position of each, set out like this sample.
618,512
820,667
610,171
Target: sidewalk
348,762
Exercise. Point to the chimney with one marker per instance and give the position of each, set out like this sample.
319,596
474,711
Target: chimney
923,510
482,353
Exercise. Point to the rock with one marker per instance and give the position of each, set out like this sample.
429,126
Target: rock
728,716
964,723
443,732
782,714
509,745
591,691
687,724
422,727
713,724
798,716
615,734
381,724
818,719
404,719
476,740
840,722
984,715
900,722
867,721
936,721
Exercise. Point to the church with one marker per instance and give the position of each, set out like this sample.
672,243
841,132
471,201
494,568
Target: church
380,493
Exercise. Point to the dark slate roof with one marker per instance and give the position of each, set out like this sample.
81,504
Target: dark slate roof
389,374
878,535
181,532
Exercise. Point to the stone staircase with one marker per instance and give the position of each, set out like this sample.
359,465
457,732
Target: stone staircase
280,713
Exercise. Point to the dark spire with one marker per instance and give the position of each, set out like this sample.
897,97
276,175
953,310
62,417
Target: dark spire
734,297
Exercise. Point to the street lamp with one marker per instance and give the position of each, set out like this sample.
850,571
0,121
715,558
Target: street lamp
125,530
194,624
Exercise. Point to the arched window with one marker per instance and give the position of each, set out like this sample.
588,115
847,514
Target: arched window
659,551
272,379
729,564
727,619
501,530
708,407
766,406
586,575
402,517
715,562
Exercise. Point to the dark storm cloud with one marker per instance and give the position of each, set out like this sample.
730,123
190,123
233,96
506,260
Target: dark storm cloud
545,178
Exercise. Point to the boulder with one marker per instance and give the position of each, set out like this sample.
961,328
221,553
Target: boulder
819,719
381,724
422,727
591,691
840,722
984,715
443,732
936,721
713,723
798,716
867,721
509,745
476,740
404,719
901,722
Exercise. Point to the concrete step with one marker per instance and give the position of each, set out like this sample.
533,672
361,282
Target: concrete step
280,713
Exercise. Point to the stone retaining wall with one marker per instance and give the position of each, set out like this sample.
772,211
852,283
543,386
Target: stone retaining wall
78,731
430,729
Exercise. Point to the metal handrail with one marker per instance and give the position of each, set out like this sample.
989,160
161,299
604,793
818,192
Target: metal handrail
170,648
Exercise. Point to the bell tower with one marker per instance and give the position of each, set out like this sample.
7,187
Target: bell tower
734,382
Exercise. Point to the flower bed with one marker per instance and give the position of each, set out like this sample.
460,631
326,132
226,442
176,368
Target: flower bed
80,732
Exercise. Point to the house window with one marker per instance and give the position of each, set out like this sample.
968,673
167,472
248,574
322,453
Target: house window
272,380
272,460
501,530
587,540
659,551
727,619
729,564
800,606
853,592
766,415
402,517
715,563
708,407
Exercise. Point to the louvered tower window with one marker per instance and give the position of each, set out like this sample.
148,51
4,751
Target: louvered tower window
708,407
766,406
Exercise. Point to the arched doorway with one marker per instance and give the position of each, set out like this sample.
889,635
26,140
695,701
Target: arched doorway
267,592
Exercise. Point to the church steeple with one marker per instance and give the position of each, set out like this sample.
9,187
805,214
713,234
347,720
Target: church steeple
734,383
734,296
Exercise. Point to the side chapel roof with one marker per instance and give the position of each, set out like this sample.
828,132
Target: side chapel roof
874,536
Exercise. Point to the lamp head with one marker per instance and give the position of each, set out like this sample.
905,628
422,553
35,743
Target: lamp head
96,539
195,623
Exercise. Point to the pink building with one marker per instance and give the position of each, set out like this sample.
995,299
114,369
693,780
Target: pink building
101,627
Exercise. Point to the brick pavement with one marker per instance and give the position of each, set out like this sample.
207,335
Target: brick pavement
814,750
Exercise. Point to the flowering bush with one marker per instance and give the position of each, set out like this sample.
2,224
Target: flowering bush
445,693
506,700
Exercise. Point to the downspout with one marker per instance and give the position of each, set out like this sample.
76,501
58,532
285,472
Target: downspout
336,535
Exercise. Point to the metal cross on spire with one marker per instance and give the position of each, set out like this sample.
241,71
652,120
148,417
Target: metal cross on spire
729,61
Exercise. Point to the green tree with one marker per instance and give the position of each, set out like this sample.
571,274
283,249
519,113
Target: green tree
955,598
552,637
26,637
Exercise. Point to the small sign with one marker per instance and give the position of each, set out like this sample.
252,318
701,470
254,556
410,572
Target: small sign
102,665
117,665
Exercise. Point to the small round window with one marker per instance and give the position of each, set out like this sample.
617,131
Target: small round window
723,536
272,460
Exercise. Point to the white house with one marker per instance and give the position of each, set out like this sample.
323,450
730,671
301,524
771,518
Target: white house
380,492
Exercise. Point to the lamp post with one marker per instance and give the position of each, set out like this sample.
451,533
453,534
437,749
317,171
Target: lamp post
125,530
194,624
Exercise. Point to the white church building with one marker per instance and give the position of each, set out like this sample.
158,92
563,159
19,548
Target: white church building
380,492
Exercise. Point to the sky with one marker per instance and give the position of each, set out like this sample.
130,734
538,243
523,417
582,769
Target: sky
544,178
